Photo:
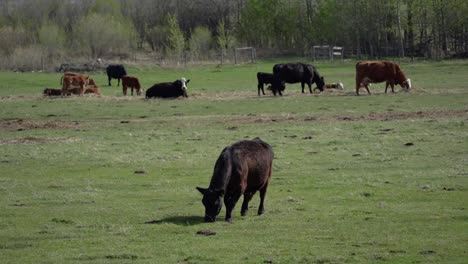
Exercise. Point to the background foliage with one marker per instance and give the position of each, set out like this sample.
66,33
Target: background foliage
116,28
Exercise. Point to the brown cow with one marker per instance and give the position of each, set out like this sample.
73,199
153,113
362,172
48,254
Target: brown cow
380,71
92,87
133,83
72,82
91,82
74,74
93,90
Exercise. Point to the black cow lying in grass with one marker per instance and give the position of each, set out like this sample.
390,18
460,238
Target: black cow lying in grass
115,71
263,78
168,89
241,169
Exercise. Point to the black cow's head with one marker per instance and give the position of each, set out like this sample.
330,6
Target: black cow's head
212,202
278,86
182,85
320,83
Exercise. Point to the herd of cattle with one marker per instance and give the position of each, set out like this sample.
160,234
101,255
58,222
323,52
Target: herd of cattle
367,72
244,167
79,84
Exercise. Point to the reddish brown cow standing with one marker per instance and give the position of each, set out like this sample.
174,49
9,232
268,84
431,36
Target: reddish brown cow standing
74,74
380,71
71,82
132,82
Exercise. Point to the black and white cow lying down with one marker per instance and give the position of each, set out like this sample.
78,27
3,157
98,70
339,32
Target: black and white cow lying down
168,89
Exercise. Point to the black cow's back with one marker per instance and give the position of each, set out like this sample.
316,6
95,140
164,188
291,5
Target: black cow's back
115,71
295,73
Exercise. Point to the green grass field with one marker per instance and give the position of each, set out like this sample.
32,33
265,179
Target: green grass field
356,179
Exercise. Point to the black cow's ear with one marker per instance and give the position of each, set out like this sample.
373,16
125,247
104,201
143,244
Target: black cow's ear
202,190
187,81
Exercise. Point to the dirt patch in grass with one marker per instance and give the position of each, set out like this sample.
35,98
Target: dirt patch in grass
233,122
21,124
35,140
390,116
436,114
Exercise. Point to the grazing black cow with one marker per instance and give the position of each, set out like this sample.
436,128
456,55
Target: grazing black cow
294,73
115,71
263,78
241,169
168,89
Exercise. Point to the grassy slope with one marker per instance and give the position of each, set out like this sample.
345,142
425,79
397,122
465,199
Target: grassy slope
342,190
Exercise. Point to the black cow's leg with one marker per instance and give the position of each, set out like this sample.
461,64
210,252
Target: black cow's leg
118,82
260,87
262,199
245,204
230,202
386,86
310,87
302,85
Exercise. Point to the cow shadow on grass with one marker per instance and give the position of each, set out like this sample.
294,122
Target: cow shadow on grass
187,220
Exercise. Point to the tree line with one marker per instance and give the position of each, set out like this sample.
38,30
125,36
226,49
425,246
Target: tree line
57,29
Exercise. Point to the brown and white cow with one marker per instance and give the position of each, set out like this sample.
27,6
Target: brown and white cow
368,72
133,83
328,86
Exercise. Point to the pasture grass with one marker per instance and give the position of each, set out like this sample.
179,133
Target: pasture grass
112,179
